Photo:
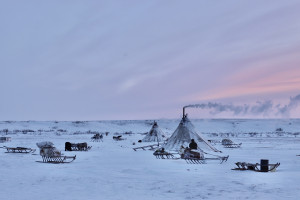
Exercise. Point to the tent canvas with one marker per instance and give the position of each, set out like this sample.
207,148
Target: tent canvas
182,137
154,135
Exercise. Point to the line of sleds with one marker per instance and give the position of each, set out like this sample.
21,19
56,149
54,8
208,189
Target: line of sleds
226,143
51,154
99,138
191,156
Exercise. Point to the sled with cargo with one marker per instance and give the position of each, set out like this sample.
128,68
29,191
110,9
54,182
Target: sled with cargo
5,139
118,138
192,156
18,150
77,146
160,153
97,137
227,143
264,166
51,155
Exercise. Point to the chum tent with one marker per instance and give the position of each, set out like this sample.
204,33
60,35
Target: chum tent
182,137
154,135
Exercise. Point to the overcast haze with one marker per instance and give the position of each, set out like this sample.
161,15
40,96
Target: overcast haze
97,60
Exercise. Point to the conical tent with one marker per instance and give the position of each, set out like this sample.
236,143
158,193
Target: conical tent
182,137
154,135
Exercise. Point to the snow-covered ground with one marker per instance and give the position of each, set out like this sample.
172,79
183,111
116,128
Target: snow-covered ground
113,170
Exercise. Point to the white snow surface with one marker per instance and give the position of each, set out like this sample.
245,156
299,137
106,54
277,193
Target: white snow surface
113,170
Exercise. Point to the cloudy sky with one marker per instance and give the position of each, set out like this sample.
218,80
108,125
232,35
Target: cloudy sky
138,59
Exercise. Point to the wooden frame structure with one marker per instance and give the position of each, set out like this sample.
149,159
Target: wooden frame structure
254,166
19,150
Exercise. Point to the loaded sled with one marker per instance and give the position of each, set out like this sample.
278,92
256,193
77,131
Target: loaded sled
264,166
19,150
51,155
192,156
97,138
77,146
162,154
118,138
227,143
5,139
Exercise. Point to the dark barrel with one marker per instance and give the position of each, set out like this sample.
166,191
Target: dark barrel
264,165
68,146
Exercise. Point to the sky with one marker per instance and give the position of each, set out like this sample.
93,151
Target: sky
138,59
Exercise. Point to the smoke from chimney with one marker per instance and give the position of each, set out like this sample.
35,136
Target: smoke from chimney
260,108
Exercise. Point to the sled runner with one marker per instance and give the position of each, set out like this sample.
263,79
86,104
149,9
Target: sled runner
148,147
254,167
77,146
58,159
162,154
97,138
227,143
19,150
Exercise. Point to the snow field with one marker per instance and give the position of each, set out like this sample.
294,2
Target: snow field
112,170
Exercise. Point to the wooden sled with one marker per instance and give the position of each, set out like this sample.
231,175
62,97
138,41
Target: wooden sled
118,138
5,139
19,150
232,145
57,159
254,167
220,158
97,138
148,147
196,157
214,142
163,155
203,160
77,146
52,155
227,143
